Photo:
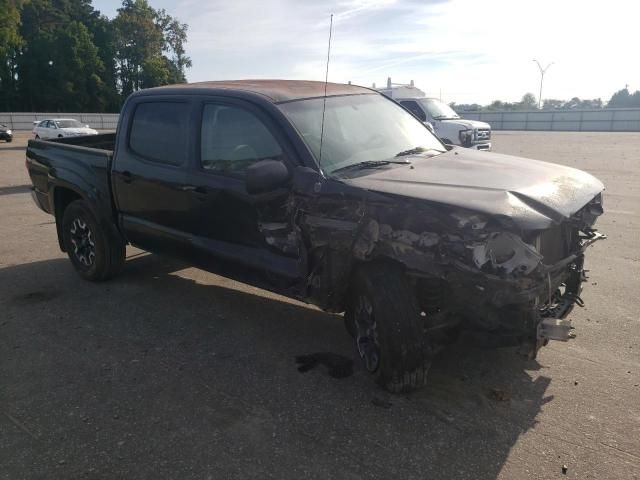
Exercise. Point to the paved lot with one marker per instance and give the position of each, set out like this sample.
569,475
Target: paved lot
171,372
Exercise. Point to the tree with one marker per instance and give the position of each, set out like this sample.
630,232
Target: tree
64,55
142,35
528,101
79,82
10,44
623,98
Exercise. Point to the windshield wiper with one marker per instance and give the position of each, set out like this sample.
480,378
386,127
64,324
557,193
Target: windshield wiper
417,150
371,164
411,151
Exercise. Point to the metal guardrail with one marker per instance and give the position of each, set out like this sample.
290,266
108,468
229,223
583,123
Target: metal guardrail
595,120
24,120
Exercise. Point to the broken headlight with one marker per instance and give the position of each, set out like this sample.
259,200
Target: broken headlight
506,253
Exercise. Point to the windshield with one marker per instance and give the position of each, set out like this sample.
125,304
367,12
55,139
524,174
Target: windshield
69,124
438,109
358,128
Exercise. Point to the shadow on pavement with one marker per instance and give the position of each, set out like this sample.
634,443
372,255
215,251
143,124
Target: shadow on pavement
13,189
155,374
4,148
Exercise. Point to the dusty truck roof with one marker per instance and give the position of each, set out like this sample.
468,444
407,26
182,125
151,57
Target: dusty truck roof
275,90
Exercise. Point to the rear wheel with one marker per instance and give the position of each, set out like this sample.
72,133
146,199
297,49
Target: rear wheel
384,318
9,140
93,250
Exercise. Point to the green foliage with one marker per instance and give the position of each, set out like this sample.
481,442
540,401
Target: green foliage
574,103
624,99
529,102
63,55
10,43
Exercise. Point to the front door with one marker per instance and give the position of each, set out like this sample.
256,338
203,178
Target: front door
244,236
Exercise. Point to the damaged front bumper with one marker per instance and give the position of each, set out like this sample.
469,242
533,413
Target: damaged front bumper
530,304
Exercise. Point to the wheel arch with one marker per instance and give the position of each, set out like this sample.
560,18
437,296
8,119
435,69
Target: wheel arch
342,298
62,197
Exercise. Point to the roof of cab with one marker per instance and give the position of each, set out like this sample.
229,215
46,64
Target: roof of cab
275,90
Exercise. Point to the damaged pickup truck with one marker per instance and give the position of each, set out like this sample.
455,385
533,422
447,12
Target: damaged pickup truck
345,201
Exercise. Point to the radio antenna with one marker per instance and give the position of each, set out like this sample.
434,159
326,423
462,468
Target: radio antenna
326,79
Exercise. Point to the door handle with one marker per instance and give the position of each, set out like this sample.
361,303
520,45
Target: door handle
193,188
126,176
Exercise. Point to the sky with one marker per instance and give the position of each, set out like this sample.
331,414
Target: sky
465,51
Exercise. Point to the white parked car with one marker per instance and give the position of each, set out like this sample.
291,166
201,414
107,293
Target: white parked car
61,127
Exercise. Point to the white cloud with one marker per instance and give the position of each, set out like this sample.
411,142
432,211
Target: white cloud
470,50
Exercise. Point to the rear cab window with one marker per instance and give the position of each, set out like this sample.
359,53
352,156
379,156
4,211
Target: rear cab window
159,132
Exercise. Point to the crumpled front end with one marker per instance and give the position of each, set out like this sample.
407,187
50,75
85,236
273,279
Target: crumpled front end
495,280
529,283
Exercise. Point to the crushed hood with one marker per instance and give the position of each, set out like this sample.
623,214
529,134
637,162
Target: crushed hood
532,193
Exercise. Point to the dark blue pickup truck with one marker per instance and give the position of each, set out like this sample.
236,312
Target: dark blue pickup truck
337,196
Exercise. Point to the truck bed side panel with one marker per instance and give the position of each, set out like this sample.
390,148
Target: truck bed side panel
85,171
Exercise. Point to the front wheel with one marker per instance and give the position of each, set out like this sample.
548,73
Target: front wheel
93,250
384,319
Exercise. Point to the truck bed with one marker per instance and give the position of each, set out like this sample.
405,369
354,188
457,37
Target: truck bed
104,141
78,164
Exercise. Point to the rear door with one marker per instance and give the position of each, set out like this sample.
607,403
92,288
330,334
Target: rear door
149,173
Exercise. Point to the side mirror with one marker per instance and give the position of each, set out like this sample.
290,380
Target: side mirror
266,175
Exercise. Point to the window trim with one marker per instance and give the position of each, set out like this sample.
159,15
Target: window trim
150,160
426,115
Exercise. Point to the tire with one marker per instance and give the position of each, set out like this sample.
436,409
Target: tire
59,136
9,140
95,252
384,318
37,137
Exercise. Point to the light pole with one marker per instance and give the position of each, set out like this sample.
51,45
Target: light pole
542,72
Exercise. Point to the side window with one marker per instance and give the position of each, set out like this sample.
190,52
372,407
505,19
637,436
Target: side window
414,108
159,131
233,139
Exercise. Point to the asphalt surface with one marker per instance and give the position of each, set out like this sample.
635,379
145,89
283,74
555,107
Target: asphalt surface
172,372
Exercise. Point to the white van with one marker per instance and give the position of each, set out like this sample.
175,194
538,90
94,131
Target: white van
447,124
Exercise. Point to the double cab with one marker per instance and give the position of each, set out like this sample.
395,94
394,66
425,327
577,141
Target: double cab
337,196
